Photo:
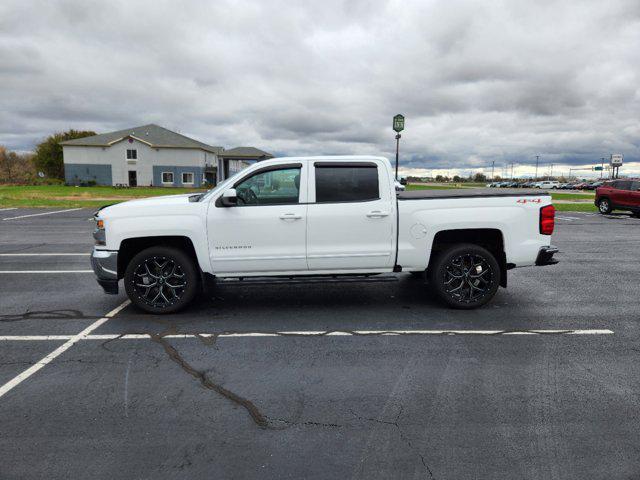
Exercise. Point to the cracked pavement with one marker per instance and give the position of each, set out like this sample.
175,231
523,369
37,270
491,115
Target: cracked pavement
362,406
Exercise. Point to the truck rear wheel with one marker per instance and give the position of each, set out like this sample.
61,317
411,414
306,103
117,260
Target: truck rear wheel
161,280
465,276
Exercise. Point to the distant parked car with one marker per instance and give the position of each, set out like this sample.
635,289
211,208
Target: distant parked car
549,184
593,185
619,195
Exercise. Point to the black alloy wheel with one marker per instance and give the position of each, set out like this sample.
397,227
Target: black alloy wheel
465,276
161,280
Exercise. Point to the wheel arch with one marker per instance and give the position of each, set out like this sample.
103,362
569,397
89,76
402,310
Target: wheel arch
130,247
490,238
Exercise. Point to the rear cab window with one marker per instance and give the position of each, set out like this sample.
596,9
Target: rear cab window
337,182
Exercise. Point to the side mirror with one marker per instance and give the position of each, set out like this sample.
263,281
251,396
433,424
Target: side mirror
229,198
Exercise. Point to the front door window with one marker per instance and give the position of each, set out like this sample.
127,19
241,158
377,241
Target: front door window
274,187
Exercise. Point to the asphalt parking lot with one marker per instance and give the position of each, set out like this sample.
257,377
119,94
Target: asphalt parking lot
305,381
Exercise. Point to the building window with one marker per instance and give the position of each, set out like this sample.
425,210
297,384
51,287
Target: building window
132,154
167,177
187,178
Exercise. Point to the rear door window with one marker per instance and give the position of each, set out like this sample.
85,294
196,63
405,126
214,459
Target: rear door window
623,185
348,183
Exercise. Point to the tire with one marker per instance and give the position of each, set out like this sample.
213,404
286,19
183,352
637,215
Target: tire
453,281
604,206
161,280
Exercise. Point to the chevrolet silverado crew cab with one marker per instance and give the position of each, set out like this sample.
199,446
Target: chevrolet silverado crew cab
320,216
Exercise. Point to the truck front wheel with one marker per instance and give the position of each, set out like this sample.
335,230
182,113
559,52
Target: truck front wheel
465,276
161,280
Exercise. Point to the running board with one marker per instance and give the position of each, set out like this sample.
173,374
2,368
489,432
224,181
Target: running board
242,281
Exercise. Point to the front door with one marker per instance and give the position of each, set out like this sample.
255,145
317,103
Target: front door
133,178
266,231
351,223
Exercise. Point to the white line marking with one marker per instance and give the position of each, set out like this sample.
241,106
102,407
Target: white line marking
46,271
14,382
7,209
45,213
311,333
44,254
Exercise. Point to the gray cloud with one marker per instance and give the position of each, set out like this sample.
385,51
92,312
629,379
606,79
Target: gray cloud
477,81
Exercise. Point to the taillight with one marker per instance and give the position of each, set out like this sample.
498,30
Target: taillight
547,219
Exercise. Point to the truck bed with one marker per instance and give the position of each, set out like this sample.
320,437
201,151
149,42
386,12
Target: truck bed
470,193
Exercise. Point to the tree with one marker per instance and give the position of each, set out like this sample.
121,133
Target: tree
15,167
480,177
48,157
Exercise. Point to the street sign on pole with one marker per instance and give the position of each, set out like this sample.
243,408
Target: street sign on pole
398,126
598,168
398,123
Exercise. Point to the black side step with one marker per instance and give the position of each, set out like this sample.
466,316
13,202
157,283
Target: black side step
242,281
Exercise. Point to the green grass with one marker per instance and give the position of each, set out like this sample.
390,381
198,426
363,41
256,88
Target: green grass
575,207
574,196
71,197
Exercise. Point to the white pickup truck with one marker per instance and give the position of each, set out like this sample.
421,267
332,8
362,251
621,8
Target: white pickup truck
320,216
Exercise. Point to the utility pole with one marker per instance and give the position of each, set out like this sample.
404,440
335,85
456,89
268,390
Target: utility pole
551,174
398,126
512,171
493,164
602,165
537,159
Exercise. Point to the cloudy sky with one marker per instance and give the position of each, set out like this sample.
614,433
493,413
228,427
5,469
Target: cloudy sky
478,81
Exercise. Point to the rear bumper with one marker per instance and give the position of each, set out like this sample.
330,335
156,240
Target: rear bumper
105,266
545,256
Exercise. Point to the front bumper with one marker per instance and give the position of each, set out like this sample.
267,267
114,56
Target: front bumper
545,256
105,266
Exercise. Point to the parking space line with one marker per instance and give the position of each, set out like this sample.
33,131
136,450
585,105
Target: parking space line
44,213
14,382
44,254
46,271
7,209
312,333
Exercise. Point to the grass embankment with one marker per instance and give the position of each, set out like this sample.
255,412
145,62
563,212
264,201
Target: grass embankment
71,197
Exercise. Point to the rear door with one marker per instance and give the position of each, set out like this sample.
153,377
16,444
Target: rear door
621,193
351,215
635,194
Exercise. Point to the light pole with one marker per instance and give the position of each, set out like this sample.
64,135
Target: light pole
398,126
537,158
493,164
602,165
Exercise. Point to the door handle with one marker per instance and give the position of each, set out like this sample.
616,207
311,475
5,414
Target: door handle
290,216
377,214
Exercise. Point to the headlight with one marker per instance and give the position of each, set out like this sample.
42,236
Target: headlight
99,234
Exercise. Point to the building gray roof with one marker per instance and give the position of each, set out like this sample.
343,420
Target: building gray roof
154,135
246,152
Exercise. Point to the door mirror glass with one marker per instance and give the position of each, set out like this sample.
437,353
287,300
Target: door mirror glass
229,198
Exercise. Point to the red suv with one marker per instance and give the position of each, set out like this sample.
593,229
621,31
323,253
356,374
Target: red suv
619,195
